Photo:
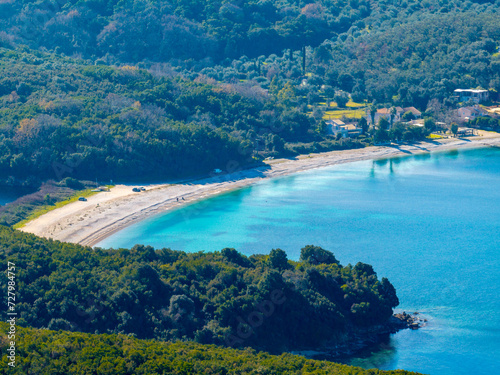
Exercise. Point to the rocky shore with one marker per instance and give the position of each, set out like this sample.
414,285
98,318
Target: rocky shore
412,321
356,341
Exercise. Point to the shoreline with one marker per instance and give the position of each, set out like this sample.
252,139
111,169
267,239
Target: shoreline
106,213
357,341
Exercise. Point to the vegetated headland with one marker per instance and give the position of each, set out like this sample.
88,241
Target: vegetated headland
264,302
103,214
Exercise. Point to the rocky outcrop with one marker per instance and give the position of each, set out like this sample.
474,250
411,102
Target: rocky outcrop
412,321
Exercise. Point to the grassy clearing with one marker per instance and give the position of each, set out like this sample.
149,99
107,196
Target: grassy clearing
49,207
352,104
435,136
352,110
351,113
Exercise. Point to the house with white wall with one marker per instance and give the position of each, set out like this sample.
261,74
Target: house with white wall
335,126
477,96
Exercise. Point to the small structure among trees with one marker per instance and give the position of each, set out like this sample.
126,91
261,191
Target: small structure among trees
477,96
464,132
340,129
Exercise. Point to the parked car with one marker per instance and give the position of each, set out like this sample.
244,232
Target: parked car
83,199
137,190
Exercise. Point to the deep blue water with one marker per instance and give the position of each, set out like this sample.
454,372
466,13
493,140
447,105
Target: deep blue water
10,194
430,223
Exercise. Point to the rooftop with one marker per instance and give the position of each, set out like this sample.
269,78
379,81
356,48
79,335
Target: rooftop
350,127
470,90
413,110
472,109
336,122
387,111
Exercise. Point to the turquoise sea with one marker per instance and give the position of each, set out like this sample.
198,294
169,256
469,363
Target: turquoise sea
430,223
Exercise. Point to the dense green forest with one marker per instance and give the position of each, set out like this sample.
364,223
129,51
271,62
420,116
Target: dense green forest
406,52
263,301
177,88
61,117
52,353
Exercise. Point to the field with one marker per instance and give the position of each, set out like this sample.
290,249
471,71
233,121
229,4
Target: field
339,113
351,110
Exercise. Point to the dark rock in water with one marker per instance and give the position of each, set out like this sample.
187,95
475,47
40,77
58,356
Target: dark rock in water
412,321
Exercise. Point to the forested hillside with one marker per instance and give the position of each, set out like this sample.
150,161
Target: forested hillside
154,86
414,60
406,52
262,301
61,117
135,30
52,353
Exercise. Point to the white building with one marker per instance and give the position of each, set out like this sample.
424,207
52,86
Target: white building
477,96
336,126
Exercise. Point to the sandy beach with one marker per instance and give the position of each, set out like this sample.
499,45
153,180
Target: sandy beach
105,213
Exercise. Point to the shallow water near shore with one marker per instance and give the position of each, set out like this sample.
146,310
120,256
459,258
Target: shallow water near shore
430,223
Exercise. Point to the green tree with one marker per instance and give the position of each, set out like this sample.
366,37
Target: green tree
408,116
287,94
381,135
429,124
63,352
278,259
316,255
373,111
363,124
278,144
341,98
329,93
383,123
275,86
392,116
389,292
396,133
165,294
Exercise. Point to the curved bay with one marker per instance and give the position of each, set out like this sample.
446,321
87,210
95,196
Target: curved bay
430,223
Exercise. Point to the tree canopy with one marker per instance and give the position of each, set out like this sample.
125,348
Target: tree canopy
60,352
225,298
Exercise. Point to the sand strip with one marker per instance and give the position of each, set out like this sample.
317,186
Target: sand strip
89,222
